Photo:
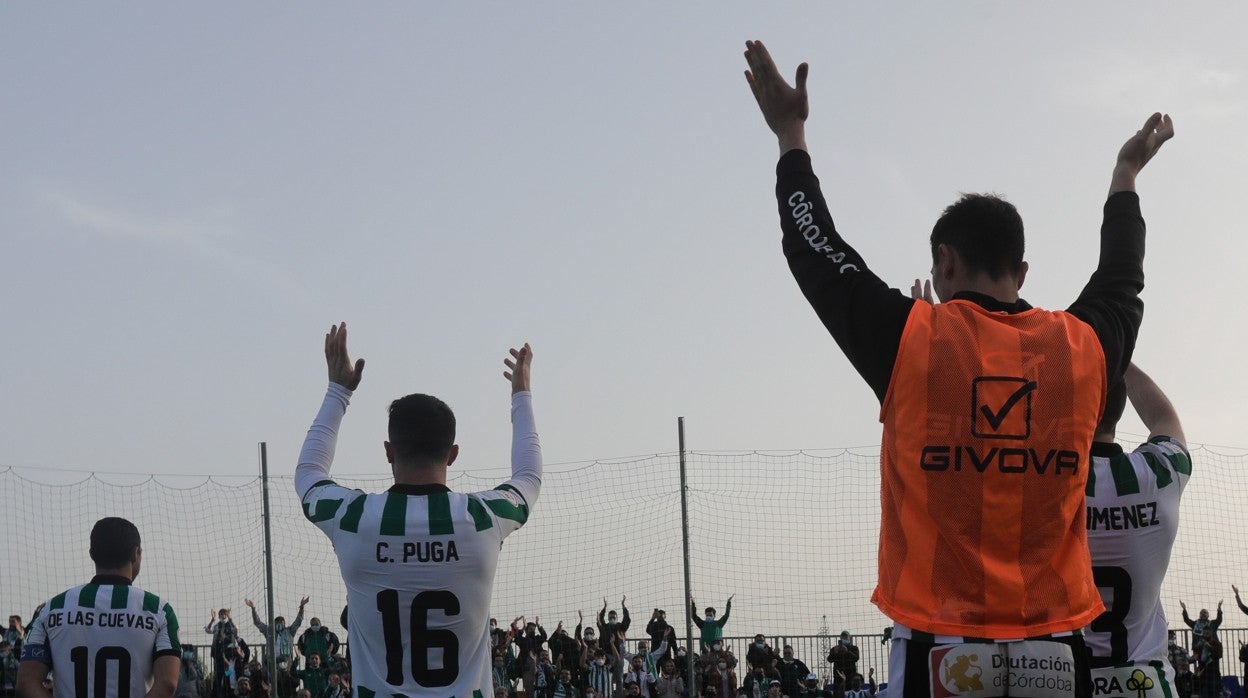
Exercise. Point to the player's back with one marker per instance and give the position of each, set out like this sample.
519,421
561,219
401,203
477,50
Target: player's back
418,562
1132,519
102,638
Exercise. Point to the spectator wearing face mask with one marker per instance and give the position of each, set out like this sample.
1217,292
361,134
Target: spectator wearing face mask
854,686
224,636
16,633
336,688
190,676
565,649
639,675
609,625
657,630
712,628
544,676
528,644
318,640
600,670
499,676
720,676
1200,625
652,659
760,653
316,677
286,683
282,639
843,656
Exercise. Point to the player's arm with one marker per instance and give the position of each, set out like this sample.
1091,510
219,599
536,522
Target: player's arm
30,674
1110,302
317,453
862,313
526,449
1154,408
164,677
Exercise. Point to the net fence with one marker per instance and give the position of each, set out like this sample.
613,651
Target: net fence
792,535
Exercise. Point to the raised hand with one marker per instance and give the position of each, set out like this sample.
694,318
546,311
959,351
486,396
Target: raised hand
1236,590
1141,147
518,370
341,370
303,602
784,107
1183,606
249,603
922,291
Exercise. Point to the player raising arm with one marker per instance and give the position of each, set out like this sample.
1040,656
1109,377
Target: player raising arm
418,560
1132,520
985,401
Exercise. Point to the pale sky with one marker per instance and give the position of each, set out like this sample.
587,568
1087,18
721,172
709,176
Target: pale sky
192,194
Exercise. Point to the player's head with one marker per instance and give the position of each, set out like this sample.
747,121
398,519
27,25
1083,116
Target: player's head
115,547
422,433
1115,404
977,236
710,613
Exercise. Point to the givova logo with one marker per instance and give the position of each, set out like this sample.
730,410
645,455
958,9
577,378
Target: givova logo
958,670
1001,407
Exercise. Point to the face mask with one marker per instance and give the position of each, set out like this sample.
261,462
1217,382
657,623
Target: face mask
758,645
717,647
680,653
710,616
600,662
723,665
316,627
188,655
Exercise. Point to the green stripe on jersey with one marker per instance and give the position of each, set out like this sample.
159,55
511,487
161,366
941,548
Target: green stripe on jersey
121,596
440,523
507,510
1182,462
57,601
508,488
394,515
351,518
1125,480
479,515
364,692
171,626
1090,489
325,510
86,595
477,694
1160,471
151,602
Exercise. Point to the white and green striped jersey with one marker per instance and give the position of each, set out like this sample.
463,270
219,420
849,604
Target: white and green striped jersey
418,562
1132,519
102,638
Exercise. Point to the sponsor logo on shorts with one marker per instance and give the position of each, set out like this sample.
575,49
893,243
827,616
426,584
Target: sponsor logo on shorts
1127,682
959,670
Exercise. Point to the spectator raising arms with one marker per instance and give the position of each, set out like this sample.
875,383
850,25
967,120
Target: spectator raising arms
712,629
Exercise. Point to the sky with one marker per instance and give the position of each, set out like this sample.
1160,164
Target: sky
191,194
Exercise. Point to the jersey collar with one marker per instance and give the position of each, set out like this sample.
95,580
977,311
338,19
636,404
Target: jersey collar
1102,449
432,488
991,304
110,579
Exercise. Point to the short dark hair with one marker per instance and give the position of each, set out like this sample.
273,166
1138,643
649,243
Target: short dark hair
422,428
113,540
986,231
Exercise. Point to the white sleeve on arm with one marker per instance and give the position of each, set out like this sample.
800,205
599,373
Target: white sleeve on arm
526,450
318,447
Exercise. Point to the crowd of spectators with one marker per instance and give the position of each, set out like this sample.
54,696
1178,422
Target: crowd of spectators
591,661
594,661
